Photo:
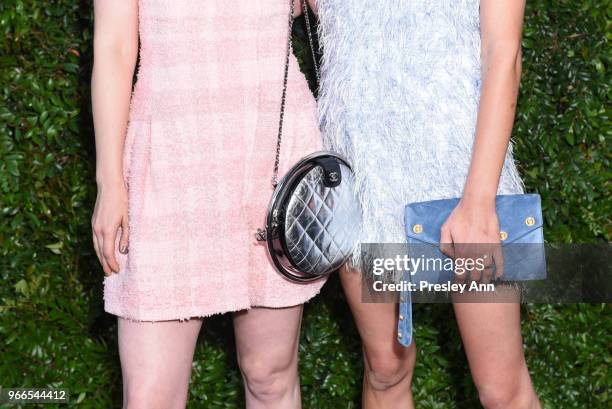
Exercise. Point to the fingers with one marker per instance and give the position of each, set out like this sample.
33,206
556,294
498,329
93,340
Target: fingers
96,245
123,243
108,249
104,240
493,262
487,261
110,214
446,242
472,253
98,238
498,258
489,267
484,270
454,251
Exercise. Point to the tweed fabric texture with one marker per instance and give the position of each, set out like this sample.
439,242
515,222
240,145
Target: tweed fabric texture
198,159
400,88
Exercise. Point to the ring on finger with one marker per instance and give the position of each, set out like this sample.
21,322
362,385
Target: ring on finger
487,258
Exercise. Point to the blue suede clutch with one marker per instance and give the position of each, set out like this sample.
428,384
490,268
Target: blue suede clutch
521,234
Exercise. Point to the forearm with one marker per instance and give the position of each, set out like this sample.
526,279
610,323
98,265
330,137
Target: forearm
115,54
501,71
111,86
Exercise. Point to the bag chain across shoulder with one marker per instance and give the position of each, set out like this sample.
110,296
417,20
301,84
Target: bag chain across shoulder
313,218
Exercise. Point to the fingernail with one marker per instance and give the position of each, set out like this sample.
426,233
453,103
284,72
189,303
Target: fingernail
124,250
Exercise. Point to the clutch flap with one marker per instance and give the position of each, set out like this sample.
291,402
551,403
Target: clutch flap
518,216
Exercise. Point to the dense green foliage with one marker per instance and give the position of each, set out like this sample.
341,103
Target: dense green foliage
54,332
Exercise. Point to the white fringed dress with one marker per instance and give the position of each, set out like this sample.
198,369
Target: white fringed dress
400,87
399,95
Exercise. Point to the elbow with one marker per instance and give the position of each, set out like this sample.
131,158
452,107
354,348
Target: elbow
516,61
506,56
116,51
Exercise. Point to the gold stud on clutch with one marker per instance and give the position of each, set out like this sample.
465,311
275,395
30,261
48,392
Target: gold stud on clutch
530,221
417,228
503,235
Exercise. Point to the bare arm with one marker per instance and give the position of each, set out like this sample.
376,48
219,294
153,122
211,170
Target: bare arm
474,220
115,53
501,25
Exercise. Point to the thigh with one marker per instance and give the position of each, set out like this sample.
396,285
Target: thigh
267,337
377,326
156,360
491,334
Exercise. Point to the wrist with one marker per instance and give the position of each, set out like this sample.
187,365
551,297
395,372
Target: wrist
478,199
104,179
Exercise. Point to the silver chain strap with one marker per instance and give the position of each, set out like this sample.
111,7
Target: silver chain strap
310,40
286,77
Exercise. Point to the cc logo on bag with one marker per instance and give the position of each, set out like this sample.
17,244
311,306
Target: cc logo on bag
333,176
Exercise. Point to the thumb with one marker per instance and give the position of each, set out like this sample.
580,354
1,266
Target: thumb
123,242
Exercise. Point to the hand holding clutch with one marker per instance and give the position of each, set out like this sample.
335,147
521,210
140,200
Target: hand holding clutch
442,229
472,232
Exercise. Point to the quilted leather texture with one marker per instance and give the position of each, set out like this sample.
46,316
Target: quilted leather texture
321,224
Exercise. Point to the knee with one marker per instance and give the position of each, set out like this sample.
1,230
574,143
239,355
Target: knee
510,395
136,400
267,380
143,395
387,370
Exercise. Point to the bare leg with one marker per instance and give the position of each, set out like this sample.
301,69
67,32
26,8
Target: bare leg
156,362
388,365
492,338
267,346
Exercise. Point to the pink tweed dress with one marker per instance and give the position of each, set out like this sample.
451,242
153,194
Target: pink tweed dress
198,159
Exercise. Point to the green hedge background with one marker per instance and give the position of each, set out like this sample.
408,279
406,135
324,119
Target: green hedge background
54,332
